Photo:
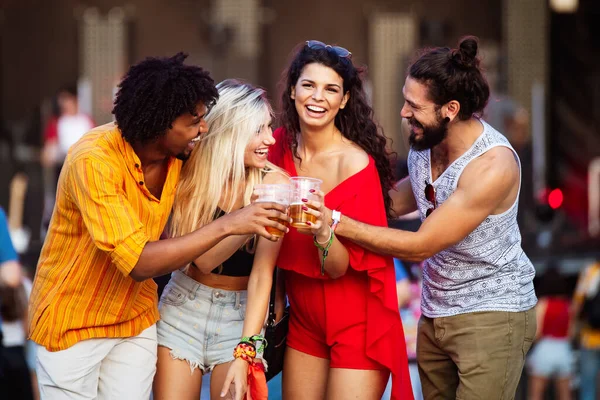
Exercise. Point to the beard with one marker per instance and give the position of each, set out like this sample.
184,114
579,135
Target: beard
183,156
431,135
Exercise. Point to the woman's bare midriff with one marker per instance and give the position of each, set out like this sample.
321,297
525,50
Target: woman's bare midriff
223,282
237,283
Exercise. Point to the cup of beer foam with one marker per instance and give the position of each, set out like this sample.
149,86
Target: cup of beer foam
275,193
301,187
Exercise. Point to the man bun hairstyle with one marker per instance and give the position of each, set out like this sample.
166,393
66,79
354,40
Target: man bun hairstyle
454,74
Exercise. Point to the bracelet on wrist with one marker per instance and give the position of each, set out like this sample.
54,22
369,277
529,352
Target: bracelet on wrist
324,249
336,217
245,351
324,243
253,339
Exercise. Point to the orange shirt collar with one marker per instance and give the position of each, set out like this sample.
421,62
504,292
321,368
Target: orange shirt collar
134,165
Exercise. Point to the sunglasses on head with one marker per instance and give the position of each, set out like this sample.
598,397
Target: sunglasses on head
339,51
430,196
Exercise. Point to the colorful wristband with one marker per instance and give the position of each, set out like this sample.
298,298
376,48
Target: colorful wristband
324,249
245,351
253,339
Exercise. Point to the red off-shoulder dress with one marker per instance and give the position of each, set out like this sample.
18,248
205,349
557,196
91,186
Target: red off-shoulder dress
353,321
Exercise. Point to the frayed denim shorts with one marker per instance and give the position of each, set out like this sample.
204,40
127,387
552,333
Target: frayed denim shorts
551,357
200,324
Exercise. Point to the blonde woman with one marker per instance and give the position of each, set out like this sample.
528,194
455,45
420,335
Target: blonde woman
203,305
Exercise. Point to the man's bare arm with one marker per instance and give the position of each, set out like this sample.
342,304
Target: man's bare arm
403,199
483,187
164,256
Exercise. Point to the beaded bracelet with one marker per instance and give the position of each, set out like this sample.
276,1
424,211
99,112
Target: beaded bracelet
253,339
245,351
324,249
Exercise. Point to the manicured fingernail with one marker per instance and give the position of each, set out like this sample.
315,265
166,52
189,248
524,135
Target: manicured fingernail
222,394
305,208
312,190
305,200
308,223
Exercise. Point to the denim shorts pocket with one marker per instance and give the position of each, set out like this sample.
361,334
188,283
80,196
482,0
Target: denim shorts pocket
173,296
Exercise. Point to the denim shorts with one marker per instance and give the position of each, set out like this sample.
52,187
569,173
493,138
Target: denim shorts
551,358
200,324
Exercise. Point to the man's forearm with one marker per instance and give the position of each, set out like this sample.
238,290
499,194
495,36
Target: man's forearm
221,252
401,244
403,200
164,256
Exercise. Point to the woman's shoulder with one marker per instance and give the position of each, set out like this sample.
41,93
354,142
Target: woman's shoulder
353,160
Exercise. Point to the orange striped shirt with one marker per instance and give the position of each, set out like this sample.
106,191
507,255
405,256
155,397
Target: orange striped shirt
103,217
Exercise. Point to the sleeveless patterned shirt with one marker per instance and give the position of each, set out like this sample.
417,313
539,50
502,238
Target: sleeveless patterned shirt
487,270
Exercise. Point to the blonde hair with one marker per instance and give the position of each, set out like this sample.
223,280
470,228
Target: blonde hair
216,164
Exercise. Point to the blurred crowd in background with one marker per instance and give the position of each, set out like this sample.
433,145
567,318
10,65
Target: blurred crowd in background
60,62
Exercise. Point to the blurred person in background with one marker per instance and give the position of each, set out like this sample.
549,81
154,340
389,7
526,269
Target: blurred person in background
552,355
62,130
585,326
506,115
478,297
15,336
15,378
513,120
345,333
408,286
10,268
222,296
19,372
92,294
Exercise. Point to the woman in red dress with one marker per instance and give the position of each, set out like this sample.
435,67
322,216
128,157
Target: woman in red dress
345,335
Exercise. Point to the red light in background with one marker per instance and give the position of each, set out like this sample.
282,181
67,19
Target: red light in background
555,198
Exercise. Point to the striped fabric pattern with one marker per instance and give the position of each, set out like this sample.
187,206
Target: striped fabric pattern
103,217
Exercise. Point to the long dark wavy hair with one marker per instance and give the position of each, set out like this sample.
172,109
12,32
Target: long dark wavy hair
355,121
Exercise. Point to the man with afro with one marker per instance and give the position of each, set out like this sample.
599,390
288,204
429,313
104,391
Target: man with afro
93,307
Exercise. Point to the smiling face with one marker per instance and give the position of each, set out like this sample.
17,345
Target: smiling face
184,134
318,95
428,127
257,149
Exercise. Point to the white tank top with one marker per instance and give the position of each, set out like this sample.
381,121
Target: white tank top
487,270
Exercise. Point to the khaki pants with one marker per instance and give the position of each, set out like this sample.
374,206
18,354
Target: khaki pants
474,356
102,369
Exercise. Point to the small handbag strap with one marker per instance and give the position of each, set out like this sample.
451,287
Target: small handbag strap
272,316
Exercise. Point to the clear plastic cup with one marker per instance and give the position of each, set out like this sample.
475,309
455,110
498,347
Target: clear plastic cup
275,193
301,187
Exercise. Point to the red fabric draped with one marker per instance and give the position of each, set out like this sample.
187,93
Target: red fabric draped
358,197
